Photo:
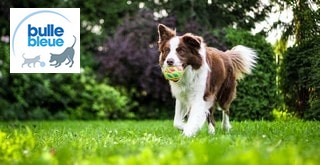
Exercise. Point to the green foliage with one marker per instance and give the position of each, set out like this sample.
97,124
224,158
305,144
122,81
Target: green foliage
99,99
157,142
282,115
128,62
300,79
102,15
305,22
217,14
256,93
58,96
299,75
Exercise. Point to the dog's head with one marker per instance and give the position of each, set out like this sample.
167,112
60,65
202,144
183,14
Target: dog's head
178,50
52,57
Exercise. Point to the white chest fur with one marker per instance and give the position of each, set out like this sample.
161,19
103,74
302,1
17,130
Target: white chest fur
192,84
190,88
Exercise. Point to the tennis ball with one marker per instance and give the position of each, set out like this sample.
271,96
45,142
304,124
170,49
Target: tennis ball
173,73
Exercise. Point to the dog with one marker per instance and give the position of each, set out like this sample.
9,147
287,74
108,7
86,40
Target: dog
209,79
68,53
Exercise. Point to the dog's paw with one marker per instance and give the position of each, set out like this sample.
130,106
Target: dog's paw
226,127
189,132
178,125
211,129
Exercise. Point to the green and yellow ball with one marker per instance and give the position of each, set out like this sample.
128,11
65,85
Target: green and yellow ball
173,73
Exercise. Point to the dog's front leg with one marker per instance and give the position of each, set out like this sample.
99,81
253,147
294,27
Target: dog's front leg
179,115
58,64
197,118
54,64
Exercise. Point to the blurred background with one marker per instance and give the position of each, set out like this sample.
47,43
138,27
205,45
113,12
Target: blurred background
120,77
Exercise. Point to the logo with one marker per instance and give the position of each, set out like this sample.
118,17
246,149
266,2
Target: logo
44,40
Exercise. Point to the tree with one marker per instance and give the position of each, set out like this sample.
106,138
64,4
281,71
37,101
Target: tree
299,64
213,13
306,19
301,78
5,6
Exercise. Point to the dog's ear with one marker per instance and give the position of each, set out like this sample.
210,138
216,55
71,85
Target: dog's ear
165,33
192,40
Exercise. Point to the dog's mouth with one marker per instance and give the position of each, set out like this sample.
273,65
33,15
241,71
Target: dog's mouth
181,65
184,66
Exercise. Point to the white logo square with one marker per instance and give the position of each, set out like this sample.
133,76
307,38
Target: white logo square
44,40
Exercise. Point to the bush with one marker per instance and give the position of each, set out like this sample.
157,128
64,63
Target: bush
256,93
130,60
98,100
58,96
301,78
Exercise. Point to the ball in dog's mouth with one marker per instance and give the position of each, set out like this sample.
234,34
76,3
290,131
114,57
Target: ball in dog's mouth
173,73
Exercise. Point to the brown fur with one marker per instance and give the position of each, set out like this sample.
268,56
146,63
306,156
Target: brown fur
221,81
165,34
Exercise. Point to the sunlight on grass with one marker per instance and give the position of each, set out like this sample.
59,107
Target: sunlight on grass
157,142
283,115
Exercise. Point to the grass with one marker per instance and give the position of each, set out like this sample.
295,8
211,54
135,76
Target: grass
157,142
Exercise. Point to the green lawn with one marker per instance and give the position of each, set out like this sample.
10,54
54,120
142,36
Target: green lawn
157,142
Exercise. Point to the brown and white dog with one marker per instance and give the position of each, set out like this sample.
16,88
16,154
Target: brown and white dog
209,79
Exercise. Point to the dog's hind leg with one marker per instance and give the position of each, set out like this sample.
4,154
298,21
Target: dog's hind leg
210,101
71,63
225,101
225,120
211,121
68,61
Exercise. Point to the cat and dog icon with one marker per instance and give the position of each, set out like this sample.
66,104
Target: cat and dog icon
68,53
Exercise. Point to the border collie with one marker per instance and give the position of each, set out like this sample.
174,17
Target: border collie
209,79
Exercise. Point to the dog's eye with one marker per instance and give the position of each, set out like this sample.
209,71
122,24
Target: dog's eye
180,50
166,50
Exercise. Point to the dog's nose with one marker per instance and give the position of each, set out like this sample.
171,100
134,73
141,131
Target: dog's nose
170,61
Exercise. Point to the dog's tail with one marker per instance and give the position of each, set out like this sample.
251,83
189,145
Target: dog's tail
243,60
75,39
